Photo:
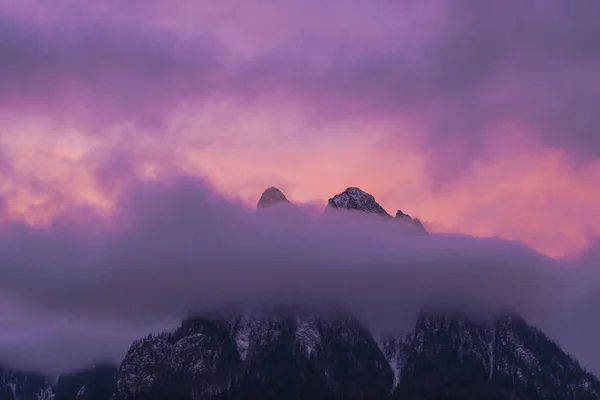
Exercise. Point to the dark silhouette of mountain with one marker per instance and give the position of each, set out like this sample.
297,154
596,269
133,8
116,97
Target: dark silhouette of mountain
504,358
275,354
96,383
21,385
291,354
270,197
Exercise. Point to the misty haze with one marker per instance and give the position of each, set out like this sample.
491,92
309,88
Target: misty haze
299,200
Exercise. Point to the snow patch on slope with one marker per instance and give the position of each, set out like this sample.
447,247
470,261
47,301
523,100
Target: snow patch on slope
491,344
13,389
343,199
81,391
307,335
254,330
45,394
395,350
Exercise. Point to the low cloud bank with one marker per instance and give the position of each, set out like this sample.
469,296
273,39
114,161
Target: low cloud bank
82,290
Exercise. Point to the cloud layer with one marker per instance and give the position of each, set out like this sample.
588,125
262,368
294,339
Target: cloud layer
176,246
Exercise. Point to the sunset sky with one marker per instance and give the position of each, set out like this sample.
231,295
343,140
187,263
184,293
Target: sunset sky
477,117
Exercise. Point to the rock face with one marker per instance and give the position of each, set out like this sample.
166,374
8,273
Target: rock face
501,359
281,354
355,199
270,197
195,361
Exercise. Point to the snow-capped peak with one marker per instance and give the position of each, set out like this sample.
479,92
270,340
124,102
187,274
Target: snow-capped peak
271,197
356,199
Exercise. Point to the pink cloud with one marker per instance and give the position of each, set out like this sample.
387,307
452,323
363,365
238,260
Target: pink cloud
400,99
522,191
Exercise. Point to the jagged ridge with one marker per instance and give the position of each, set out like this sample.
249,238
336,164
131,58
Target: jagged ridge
355,199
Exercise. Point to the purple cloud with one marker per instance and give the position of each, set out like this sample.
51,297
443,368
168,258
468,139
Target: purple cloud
115,73
459,69
175,246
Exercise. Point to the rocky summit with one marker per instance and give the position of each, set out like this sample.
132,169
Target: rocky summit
354,199
270,197
285,352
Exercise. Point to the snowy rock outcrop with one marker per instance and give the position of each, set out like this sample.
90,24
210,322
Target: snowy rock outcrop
354,199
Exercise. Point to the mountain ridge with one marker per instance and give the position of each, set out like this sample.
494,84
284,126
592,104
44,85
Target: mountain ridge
504,356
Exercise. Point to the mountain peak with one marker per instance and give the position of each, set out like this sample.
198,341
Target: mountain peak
400,216
356,199
270,197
